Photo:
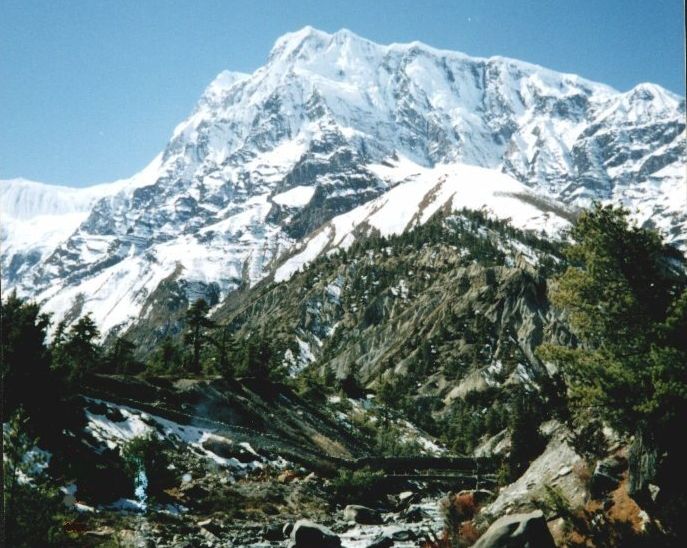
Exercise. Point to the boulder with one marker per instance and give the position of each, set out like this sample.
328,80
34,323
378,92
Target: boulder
273,532
210,526
607,476
403,535
518,531
307,534
227,449
413,515
381,542
362,515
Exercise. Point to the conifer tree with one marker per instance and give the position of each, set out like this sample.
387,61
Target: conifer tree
24,358
197,322
121,358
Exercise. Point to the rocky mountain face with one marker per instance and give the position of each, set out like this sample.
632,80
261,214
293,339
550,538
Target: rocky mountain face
455,306
269,164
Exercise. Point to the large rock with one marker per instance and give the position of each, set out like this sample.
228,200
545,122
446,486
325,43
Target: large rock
307,534
362,515
607,475
518,531
227,449
381,542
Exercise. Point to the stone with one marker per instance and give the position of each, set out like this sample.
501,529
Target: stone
403,535
517,531
607,476
308,534
273,532
381,542
227,449
362,515
413,515
210,526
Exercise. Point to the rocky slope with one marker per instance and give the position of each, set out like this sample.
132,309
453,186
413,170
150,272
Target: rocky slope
330,122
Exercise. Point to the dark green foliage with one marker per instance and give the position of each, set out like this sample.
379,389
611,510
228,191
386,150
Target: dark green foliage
390,441
196,336
256,356
473,418
589,440
33,511
626,296
167,358
527,442
76,351
350,386
357,487
121,358
627,299
24,358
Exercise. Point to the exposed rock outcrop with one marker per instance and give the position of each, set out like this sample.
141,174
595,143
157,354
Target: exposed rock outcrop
517,531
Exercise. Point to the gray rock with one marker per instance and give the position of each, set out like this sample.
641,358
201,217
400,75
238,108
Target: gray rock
274,532
362,515
607,475
413,515
381,542
307,534
643,464
517,531
404,535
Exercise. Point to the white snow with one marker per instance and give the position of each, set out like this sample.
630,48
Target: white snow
422,118
417,194
137,424
297,196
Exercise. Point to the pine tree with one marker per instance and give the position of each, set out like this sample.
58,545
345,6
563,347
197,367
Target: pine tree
167,357
121,358
626,297
197,322
627,305
526,440
24,358
81,351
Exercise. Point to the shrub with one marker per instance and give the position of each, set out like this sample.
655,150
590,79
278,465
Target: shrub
357,486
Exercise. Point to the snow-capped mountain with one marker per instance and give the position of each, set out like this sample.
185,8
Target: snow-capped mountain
330,124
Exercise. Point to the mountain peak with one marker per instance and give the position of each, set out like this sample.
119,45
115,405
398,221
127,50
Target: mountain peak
266,159
290,42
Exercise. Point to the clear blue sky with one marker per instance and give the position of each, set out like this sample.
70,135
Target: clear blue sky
90,90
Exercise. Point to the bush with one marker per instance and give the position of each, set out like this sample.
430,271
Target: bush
357,486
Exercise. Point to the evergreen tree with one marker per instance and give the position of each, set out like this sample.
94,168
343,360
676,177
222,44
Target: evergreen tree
224,345
527,441
24,358
197,323
167,357
627,303
78,352
121,358
626,296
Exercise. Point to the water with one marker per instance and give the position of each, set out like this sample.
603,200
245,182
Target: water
141,484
